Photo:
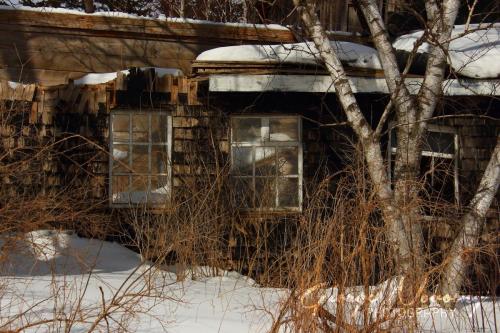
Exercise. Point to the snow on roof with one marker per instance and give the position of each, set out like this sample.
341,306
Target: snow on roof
359,84
13,85
161,17
99,78
355,55
474,50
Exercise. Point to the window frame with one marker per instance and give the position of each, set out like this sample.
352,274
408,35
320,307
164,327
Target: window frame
265,130
391,151
149,144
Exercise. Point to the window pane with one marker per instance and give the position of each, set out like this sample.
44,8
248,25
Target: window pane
284,129
265,161
139,189
159,128
120,136
246,129
265,192
243,192
159,159
120,123
439,178
439,142
242,160
288,189
159,189
120,158
140,161
288,161
120,189
140,128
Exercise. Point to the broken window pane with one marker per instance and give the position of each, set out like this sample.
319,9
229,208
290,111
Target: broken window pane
439,142
159,189
284,129
246,129
435,142
120,158
288,161
140,149
265,192
439,178
265,161
140,159
288,189
260,155
242,161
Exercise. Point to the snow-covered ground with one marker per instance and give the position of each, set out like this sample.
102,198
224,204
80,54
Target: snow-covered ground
46,274
474,50
52,280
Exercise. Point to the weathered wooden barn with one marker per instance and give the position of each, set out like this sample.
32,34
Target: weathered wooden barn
151,132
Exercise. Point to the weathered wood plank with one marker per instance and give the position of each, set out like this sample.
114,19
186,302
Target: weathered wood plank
100,63
42,76
114,25
92,43
16,92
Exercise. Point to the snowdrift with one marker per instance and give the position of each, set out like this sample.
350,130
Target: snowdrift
474,51
353,54
54,279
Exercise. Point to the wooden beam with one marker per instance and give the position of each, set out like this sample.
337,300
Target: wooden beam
45,77
36,42
115,25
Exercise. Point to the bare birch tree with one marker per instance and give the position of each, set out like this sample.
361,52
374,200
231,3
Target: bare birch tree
472,224
399,203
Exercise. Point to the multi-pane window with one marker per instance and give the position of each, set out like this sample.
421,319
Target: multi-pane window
266,155
140,164
439,163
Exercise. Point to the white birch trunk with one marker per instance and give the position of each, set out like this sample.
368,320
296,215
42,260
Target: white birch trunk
472,223
441,27
407,164
182,6
371,146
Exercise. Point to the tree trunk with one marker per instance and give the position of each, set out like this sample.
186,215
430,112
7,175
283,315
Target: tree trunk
396,234
182,8
407,164
412,114
89,6
244,15
472,223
